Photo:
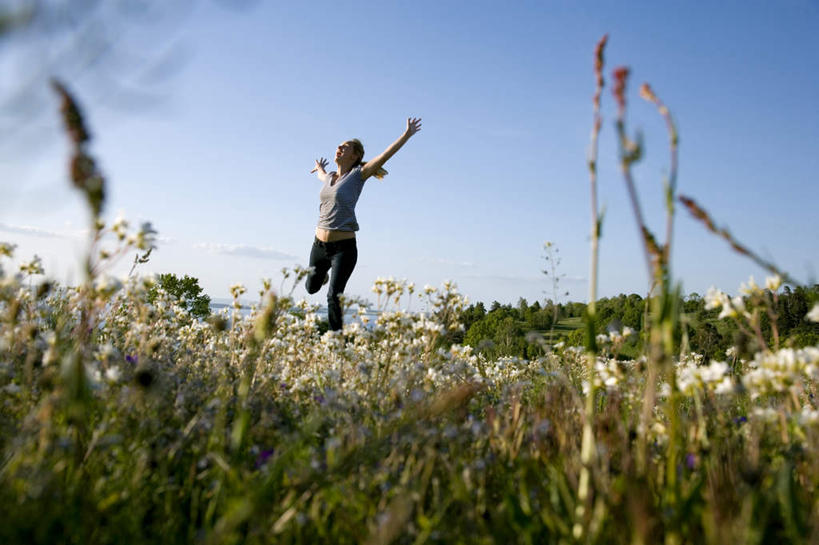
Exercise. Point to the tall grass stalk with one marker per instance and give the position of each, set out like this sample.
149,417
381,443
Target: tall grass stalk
588,448
700,214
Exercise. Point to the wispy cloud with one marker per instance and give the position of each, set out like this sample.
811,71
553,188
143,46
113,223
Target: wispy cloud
244,250
33,231
512,279
506,279
573,279
443,261
66,234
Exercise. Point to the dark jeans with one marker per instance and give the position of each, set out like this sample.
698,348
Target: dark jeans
338,257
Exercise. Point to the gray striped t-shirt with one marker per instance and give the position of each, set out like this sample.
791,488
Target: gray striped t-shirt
337,208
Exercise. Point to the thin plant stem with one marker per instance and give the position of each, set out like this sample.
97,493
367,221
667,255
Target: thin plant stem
674,140
630,152
593,147
699,213
588,447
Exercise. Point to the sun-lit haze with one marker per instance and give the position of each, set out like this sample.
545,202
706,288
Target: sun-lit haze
220,162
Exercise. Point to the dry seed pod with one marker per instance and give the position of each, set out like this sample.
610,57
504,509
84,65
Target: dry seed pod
72,117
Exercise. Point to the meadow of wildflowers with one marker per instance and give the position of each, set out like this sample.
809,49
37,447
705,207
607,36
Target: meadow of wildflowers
125,419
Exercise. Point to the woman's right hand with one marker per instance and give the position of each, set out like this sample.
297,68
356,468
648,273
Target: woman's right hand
413,126
321,163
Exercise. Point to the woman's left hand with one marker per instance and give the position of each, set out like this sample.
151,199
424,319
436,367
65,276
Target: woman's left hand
321,164
413,125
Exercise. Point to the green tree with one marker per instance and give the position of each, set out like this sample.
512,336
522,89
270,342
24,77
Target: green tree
501,332
693,304
791,307
706,339
187,292
538,318
472,314
633,310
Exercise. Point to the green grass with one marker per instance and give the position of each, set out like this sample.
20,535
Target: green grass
562,329
567,325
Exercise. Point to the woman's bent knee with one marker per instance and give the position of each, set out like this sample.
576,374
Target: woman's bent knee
312,286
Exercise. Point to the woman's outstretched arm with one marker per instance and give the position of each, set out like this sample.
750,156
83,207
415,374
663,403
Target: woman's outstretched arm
372,166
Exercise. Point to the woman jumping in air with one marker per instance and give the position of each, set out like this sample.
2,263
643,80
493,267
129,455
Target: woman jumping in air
334,248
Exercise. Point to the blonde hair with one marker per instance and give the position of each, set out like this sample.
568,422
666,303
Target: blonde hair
358,147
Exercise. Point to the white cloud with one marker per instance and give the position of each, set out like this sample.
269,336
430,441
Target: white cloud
244,250
573,279
506,279
163,241
512,279
443,261
33,231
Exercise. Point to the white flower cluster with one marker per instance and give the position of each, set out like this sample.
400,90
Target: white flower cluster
133,324
392,290
609,373
809,417
778,372
772,284
714,377
729,307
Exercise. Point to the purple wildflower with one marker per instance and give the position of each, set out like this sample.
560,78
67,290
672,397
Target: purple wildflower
263,456
690,460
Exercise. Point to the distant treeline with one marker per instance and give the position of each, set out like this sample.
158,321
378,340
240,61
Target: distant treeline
525,330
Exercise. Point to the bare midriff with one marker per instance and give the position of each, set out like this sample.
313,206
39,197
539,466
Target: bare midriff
330,235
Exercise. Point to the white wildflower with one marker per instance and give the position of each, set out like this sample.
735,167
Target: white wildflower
725,386
766,415
7,249
813,315
714,298
94,375
658,429
35,266
727,311
112,374
687,379
50,355
107,285
751,288
773,282
714,372
236,290
12,388
738,303
809,417
120,227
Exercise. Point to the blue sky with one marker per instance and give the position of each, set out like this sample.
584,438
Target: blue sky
219,163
